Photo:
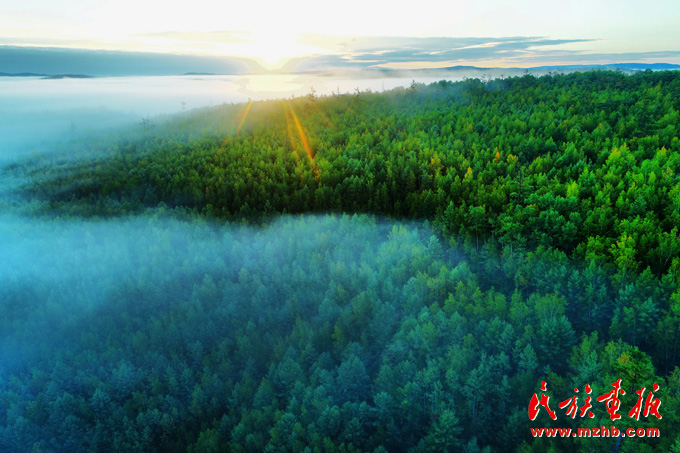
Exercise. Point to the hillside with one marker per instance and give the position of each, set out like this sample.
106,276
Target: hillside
391,271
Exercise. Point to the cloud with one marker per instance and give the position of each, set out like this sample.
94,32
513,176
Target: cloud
45,60
324,63
39,42
225,36
379,51
320,53
577,57
391,52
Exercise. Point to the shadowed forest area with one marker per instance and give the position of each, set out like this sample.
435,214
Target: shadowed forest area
393,271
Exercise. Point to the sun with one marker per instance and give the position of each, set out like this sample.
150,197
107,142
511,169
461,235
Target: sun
273,48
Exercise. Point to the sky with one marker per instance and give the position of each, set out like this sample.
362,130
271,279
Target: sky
358,33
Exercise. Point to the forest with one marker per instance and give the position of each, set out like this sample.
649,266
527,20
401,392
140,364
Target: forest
408,270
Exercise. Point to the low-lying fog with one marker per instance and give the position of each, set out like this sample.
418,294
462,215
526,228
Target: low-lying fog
36,113
56,275
53,266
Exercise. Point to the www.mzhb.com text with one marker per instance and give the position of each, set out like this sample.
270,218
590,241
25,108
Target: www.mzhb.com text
602,431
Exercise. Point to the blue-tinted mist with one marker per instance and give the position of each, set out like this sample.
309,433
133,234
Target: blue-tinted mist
57,276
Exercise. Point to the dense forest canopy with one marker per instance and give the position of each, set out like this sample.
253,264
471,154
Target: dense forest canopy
447,248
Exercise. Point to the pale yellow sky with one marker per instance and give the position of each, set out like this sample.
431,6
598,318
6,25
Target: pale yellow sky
269,31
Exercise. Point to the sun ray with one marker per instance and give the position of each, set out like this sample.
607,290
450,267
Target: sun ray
245,115
291,136
305,143
235,130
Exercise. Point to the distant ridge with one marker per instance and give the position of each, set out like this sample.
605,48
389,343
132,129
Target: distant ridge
624,66
69,76
466,68
400,72
570,67
47,76
22,74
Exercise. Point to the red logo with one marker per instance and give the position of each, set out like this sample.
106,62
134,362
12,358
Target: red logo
611,400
